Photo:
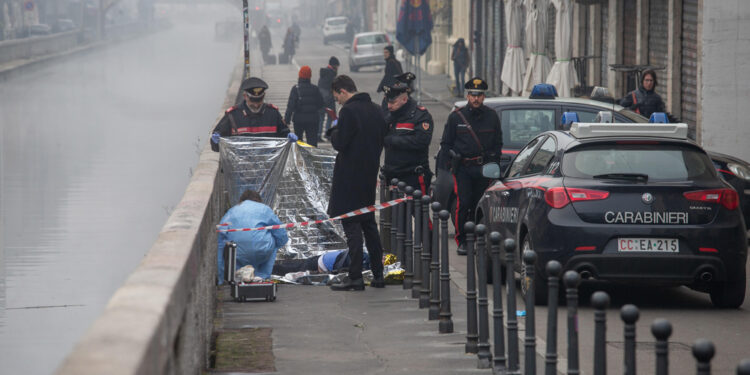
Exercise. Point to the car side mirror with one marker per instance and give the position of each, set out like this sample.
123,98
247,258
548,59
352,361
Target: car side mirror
491,170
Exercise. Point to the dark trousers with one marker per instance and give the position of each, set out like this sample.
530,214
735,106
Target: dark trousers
310,130
325,119
353,229
460,73
468,185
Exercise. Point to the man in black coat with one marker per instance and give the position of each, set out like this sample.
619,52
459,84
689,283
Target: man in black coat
358,138
472,137
303,106
325,80
392,70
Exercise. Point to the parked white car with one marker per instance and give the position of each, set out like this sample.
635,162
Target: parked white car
334,28
367,50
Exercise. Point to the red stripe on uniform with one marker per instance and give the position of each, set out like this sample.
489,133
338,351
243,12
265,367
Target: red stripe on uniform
255,129
405,125
455,191
424,191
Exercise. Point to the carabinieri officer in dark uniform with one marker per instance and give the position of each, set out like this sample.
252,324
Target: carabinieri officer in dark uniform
252,117
407,140
474,135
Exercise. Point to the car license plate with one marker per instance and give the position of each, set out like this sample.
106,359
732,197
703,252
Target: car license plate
669,245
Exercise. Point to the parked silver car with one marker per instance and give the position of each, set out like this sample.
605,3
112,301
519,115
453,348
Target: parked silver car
367,50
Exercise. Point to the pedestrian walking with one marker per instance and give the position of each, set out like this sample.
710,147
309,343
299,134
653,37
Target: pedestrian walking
358,138
472,137
256,248
252,117
264,40
407,141
303,107
644,100
325,80
289,46
392,70
461,59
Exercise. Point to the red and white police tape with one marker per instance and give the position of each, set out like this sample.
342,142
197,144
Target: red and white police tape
358,212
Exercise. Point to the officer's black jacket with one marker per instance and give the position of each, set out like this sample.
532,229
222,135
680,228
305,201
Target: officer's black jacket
265,123
407,141
304,103
456,136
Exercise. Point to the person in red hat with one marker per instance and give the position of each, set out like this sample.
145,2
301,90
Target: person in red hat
303,108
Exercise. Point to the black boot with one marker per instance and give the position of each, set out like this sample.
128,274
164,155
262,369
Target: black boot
349,284
378,282
461,249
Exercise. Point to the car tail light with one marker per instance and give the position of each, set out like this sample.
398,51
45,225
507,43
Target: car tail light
278,20
586,194
726,197
559,197
354,47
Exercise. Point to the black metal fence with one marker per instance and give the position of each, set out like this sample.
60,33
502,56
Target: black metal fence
424,256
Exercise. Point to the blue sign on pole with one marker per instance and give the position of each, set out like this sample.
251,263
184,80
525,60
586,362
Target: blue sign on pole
28,5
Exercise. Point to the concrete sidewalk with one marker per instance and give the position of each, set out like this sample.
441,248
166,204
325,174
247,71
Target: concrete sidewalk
379,331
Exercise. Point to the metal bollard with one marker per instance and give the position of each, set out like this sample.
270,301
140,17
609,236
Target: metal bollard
529,340
446,321
600,302
400,235
571,280
417,259
407,263
629,315
483,347
703,351
497,307
435,265
512,320
385,215
424,294
554,268
394,216
744,367
662,329
471,291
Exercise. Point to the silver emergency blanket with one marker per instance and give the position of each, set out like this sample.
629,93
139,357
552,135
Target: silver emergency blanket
294,180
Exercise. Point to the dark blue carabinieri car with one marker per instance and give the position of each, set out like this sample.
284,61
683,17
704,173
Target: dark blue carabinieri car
631,203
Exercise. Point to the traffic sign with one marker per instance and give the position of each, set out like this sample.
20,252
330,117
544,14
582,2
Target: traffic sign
28,5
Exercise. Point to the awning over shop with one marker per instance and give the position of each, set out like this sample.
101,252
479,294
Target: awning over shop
563,73
514,65
536,37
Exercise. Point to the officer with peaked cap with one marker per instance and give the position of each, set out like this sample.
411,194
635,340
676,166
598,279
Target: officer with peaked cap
407,141
252,117
472,137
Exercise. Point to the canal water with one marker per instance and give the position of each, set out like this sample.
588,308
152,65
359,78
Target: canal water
96,152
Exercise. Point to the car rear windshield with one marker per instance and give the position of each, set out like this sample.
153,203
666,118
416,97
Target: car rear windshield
371,39
337,21
658,161
521,125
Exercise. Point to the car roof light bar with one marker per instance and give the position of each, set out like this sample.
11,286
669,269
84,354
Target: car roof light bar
594,130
